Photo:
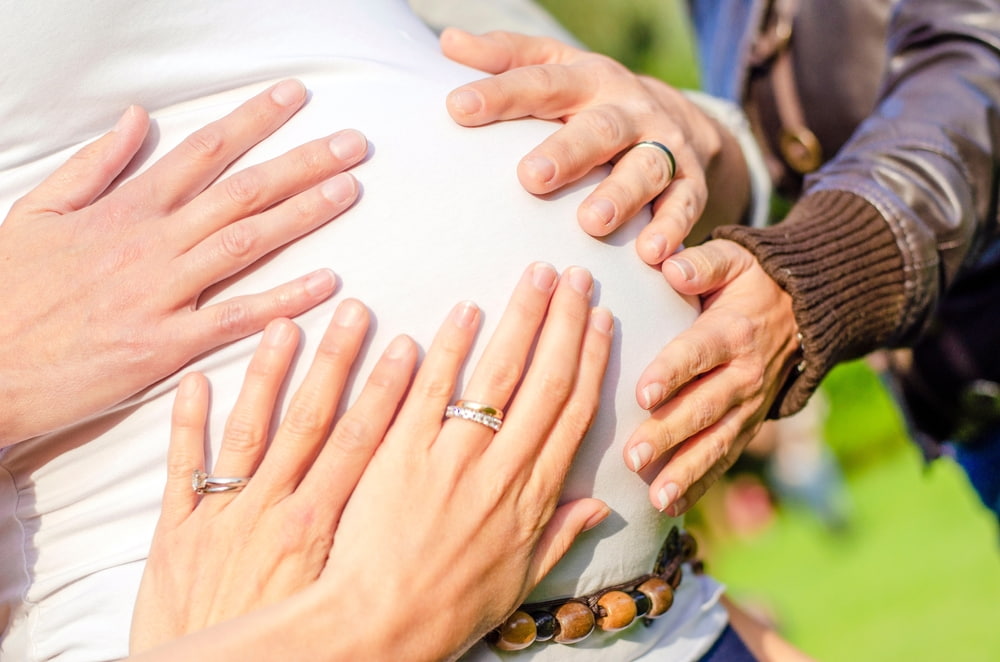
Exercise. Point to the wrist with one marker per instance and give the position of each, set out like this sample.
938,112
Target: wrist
839,261
376,625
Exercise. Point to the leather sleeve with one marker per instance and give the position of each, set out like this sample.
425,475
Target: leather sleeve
918,177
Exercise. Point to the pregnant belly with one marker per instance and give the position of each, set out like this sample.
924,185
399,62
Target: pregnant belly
442,218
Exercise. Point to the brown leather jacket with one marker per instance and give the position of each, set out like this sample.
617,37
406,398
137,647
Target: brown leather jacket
903,99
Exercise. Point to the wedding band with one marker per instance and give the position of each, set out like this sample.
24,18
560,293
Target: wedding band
481,408
475,415
202,483
671,162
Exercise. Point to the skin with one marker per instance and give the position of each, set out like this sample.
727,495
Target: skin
125,265
765,644
605,109
513,532
478,510
710,388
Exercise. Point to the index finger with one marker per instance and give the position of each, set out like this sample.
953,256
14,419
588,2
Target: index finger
692,353
551,375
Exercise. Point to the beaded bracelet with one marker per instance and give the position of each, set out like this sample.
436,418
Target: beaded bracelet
613,608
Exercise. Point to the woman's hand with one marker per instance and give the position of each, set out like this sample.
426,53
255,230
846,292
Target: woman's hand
104,281
218,556
711,387
448,529
463,522
606,110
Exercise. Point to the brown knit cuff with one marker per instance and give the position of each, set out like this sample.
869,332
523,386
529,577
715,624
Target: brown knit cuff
838,259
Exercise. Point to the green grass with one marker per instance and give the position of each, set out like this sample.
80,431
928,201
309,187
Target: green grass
650,36
915,577
866,426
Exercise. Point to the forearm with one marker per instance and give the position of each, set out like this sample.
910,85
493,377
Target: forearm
739,187
300,628
728,180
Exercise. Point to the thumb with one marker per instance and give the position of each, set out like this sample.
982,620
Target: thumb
705,268
88,173
499,51
568,522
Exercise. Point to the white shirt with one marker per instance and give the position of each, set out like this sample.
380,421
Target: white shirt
442,219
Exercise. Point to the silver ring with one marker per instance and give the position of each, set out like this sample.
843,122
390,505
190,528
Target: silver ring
671,161
202,483
475,415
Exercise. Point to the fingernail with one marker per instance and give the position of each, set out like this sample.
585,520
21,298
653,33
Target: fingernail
539,168
640,455
652,395
277,333
348,314
544,276
467,101
398,348
188,386
348,145
124,119
657,247
667,495
597,518
603,320
339,189
288,92
600,211
464,314
321,283
683,266
581,280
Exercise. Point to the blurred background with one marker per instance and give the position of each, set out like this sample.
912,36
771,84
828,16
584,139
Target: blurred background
853,547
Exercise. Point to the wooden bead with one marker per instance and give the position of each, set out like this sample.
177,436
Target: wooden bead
618,609
576,622
546,625
660,594
516,633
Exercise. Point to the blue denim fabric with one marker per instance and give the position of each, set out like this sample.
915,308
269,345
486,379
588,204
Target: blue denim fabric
723,32
981,462
728,648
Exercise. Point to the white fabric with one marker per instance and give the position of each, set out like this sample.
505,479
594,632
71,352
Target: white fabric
442,219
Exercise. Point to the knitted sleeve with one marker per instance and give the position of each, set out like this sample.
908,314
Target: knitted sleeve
839,260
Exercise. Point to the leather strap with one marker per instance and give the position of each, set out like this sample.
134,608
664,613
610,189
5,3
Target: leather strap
772,73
